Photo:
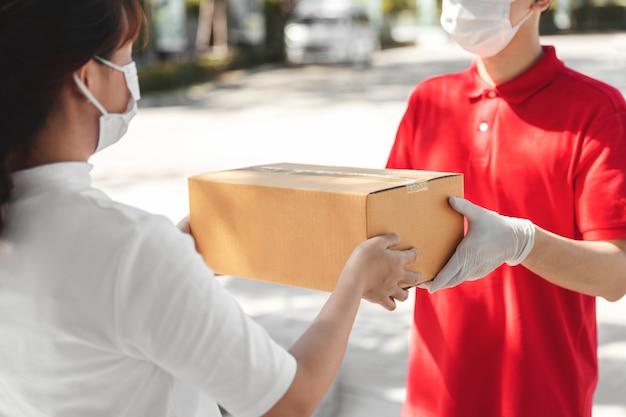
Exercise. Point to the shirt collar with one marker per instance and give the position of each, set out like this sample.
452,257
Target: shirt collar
68,175
521,87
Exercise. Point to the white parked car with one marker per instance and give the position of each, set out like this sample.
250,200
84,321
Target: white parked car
319,33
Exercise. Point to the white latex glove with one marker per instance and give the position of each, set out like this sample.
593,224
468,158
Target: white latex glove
184,225
491,240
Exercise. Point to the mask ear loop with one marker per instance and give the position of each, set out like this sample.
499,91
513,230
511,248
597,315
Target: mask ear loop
521,22
89,95
130,75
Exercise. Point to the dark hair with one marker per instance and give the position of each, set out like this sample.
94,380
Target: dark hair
42,42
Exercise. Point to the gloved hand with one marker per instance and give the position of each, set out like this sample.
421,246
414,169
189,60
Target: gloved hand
491,240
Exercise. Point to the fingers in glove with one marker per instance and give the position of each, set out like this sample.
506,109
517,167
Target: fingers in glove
466,207
425,285
449,275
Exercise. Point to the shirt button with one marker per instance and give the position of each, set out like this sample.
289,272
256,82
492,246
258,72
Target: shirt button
491,94
483,126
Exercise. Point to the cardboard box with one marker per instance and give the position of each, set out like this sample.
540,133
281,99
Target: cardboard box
298,224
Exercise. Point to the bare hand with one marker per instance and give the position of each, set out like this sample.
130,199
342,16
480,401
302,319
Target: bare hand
378,270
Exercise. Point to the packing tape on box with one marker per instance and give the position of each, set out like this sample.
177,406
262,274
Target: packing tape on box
413,185
416,187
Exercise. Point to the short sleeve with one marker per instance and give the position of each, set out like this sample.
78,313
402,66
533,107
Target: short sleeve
171,311
600,181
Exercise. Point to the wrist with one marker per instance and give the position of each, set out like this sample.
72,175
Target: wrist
524,236
351,281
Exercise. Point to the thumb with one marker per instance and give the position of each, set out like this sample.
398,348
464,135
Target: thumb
470,210
462,206
467,208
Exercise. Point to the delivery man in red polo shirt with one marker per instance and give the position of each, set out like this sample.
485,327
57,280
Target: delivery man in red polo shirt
545,147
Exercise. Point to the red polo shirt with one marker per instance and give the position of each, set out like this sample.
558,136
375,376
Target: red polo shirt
549,146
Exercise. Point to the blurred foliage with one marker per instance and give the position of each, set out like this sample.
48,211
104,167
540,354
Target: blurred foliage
276,13
164,75
392,7
193,7
586,19
172,75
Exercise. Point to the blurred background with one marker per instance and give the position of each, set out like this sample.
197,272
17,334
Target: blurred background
191,41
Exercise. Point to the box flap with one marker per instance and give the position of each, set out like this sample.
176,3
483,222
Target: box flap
325,178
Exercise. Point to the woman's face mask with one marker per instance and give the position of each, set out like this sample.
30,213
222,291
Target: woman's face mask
114,125
481,27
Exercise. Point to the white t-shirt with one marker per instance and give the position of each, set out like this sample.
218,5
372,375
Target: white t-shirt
106,310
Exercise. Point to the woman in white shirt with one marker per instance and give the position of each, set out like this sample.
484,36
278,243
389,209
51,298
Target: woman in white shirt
106,310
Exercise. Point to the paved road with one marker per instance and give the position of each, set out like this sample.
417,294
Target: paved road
336,116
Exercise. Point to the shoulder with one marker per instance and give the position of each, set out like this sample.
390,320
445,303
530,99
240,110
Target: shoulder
110,216
115,228
96,202
436,82
440,88
590,89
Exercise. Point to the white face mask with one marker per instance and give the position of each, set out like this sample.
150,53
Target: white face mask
481,27
114,125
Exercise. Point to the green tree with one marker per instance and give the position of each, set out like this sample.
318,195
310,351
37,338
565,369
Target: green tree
393,7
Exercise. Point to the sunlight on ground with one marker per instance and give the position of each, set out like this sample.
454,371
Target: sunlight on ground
609,411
